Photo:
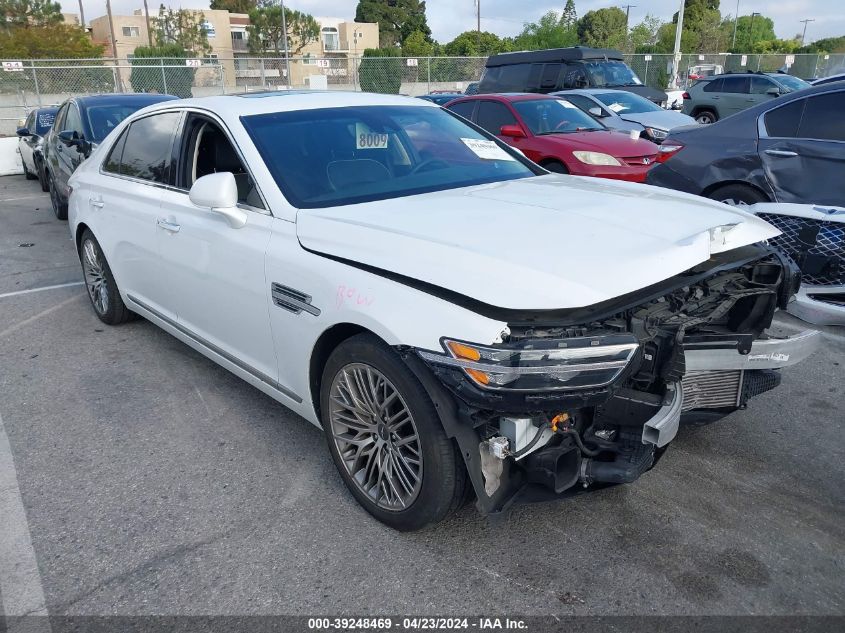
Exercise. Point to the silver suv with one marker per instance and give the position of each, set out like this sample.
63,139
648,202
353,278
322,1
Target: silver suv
714,98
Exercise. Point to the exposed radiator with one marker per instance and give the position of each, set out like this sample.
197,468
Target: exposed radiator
712,389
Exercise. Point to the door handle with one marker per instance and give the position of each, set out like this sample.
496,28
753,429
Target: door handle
96,202
781,152
168,226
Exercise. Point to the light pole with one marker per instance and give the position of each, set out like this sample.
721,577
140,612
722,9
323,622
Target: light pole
679,27
285,39
804,34
751,28
736,19
81,15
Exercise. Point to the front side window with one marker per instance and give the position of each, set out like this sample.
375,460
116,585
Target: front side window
464,109
762,85
584,103
607,74
554,116
73,122
492,115
783,122
148,149
823,118
342,156
627,103
575,77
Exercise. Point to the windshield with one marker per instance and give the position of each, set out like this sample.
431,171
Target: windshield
793,83
554,116
606,74
627,103
339,156
44,121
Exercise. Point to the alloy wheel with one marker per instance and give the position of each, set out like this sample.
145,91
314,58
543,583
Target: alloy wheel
734,202
95,276
375,436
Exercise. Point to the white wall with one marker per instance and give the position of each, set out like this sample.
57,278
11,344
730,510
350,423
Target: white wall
10,160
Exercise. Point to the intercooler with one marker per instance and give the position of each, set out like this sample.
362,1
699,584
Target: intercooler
712,389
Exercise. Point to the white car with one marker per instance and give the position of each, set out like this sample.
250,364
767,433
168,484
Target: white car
457,319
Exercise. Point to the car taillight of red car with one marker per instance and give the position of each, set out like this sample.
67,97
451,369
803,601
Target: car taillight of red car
667,150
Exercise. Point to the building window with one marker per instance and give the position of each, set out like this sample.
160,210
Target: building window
208,27
131,31
238,35
209,60
308,59
331,39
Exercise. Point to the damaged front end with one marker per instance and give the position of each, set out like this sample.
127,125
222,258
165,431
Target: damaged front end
576,399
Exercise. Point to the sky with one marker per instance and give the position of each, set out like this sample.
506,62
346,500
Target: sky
447,18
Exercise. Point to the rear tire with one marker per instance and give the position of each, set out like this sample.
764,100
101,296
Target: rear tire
27,174
42,176
386,438
738,195
555,166
706,117
99,281
59,207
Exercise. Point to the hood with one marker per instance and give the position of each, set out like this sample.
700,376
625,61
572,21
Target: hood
665,120
617,143
539,243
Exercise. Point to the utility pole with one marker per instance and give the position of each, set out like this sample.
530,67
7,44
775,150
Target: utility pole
81,15
751,28
285,37
149,30
477,24
736,19
804,34
118,80
679,27
628,8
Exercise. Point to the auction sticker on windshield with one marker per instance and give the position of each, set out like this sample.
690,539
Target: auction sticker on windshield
365,138
485,149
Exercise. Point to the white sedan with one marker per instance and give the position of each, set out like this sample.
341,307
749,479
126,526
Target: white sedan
458,320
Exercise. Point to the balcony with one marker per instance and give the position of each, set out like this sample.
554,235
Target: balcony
240,46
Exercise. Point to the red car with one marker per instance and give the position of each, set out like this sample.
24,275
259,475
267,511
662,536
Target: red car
553,132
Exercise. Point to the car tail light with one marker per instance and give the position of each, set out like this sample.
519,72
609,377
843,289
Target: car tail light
686,96
667,150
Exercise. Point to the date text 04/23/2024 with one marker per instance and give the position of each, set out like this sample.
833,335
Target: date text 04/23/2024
416,623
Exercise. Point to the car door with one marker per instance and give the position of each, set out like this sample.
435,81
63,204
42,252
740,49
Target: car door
68,156
802,149
492,115
124,206
27,143
214,273
761,90
734,96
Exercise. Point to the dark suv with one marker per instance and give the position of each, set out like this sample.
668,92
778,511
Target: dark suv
564,69
81,124
716,97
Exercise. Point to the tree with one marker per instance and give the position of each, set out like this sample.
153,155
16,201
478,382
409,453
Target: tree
475,44
183,28
569,17
148,76
233,6
548,32
603,28
53,41
826,45
30,13
643,37
381,70
416,45
397,19
265,29
753,30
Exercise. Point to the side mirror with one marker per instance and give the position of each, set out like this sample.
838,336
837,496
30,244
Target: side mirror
773,91
69,137
219,192
597,112
513,131
23,132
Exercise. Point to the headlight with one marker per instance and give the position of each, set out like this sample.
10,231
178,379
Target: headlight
656,133
575,363
597,158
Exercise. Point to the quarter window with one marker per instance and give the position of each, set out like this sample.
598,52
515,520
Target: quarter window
493,115
112,163
783,122
148,148
823,118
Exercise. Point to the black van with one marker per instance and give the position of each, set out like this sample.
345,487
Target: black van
564,69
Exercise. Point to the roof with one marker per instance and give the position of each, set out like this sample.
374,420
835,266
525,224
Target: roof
510,96
285,100
134,98
574,53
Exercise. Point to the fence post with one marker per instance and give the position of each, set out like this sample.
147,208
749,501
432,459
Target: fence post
163,75
222,78
35,82
428,66
816,67
263,77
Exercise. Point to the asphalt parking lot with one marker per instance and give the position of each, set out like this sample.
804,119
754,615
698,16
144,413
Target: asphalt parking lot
141,478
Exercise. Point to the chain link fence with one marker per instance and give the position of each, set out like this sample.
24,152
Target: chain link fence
25,84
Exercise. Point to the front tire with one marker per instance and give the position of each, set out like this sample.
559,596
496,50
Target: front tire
42,176
555,166
59,207
385,437
737,195
99,281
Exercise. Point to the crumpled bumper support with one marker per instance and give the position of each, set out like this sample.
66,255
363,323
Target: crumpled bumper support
772,353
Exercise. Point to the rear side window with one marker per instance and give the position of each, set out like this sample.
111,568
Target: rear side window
783,122
148,148
548,80
735,84
713,86
492,115
463,109
823,118
112,163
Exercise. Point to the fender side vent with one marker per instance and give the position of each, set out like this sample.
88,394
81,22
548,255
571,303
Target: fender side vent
292,300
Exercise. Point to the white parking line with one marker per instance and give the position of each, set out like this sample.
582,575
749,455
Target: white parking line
35,317
43,195
20,581
26,292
